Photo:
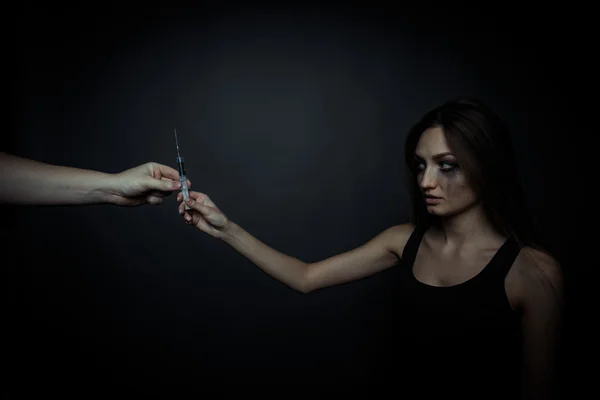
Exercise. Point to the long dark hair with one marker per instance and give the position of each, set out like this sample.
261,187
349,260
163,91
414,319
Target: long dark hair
481,142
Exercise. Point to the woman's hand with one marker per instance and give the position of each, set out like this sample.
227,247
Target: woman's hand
204,214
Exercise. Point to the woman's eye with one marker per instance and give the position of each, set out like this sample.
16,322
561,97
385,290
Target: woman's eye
418,165
445,166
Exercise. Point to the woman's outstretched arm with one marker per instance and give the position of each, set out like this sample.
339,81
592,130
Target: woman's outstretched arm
376,255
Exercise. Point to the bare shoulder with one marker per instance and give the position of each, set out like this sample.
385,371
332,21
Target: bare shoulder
536,276
537,267
396,237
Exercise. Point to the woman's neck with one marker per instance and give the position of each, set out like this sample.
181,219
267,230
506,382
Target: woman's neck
471,225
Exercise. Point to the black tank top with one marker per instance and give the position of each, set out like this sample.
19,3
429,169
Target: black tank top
462,340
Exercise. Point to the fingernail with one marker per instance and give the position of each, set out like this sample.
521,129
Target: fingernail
188,218
188,200
176,185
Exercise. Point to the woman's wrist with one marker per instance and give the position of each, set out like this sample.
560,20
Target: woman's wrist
230,232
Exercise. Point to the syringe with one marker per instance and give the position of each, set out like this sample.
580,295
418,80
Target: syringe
181,168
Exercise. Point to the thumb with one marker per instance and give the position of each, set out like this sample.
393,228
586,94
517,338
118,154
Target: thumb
161,185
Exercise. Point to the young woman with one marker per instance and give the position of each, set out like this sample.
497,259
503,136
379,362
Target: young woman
479,302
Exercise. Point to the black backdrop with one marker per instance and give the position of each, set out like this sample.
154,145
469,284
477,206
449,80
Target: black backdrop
293,121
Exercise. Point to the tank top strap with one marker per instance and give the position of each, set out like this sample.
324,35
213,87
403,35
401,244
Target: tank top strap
412,247
503,260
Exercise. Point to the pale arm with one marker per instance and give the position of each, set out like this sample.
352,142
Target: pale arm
368,259
374,256
25,181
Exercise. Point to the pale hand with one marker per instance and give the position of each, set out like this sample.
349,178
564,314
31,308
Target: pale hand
148,183
204,214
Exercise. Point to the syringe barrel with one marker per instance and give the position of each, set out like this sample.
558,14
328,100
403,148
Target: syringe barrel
180,166
183,180
184,189
184,186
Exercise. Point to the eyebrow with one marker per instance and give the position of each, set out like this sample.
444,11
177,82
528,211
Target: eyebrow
436,156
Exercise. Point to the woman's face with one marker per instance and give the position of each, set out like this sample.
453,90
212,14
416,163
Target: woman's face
444,186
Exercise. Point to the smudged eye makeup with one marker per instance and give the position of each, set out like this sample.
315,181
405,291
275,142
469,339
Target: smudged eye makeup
444,166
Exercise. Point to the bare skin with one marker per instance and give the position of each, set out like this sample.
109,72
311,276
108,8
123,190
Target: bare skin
451,253
29,182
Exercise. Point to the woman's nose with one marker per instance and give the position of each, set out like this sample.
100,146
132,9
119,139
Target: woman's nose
428,179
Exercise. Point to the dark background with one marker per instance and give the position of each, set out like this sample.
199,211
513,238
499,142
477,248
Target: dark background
293,121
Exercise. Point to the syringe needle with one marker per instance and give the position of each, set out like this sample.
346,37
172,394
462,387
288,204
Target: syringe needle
176,141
